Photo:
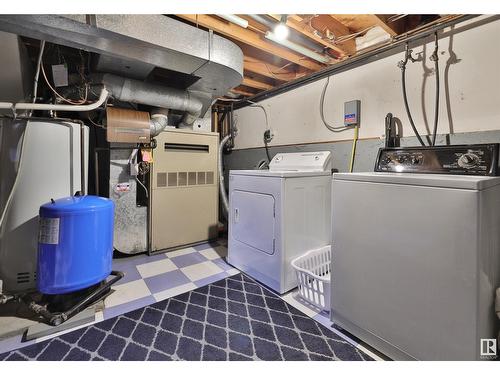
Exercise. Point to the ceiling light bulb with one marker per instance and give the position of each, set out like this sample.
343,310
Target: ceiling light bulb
281,31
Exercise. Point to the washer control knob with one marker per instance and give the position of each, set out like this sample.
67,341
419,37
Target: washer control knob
468,160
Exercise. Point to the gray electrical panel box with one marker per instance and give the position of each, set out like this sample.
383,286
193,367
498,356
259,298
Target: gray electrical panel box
352,112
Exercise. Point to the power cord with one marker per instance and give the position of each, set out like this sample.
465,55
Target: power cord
267,138
267,133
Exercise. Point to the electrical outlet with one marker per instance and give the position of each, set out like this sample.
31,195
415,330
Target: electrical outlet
268,135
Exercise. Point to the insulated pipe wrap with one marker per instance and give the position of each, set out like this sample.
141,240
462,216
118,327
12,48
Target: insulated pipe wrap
134,91
158,121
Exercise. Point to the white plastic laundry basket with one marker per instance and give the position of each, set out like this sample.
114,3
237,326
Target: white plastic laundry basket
313,270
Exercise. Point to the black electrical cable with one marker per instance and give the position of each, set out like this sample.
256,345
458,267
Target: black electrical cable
267,149
405,98
435,58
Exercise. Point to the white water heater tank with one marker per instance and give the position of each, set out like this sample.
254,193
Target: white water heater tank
50,168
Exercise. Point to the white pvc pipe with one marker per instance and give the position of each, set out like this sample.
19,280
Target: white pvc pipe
64,107
4,105
37,74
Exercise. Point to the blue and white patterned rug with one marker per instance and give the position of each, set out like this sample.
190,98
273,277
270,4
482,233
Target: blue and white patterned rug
231,319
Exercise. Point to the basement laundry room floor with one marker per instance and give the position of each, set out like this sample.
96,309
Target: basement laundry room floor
189,304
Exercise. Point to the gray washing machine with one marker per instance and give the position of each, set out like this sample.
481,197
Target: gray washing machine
416,255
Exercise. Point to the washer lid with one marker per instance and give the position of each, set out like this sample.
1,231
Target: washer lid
432,180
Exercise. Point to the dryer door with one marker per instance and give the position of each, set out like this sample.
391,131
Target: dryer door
253,220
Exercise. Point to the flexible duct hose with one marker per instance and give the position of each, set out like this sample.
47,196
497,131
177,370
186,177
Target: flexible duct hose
222,188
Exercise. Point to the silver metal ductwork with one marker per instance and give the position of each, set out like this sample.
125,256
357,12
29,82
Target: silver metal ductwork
135,91
158,122
199,64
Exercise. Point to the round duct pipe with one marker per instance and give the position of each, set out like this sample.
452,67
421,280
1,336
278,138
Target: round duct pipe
158,121
134,91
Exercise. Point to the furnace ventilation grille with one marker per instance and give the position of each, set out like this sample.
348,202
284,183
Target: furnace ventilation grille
23,277
210,178
175,179
201,178
161,179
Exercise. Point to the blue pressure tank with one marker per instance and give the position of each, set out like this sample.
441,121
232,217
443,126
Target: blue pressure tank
75,243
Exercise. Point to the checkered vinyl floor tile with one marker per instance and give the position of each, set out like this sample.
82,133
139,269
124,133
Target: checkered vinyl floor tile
230,319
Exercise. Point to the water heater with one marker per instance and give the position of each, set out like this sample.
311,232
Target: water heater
48,165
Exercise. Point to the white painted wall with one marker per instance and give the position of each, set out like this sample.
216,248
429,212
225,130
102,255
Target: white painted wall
474,85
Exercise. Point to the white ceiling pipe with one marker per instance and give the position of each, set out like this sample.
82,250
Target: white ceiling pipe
63,107
4,105
298,48
234,19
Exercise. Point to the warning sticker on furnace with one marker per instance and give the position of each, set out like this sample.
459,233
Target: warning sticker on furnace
48,231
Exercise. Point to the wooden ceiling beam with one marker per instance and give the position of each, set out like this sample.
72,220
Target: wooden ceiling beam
397,27
295,22
360,22
250,82
249,37
242,92
266,69
380,20
326,24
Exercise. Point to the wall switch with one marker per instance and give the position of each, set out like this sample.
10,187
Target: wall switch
352,111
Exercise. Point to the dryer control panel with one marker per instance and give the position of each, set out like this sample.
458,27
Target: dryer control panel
478,160
316,161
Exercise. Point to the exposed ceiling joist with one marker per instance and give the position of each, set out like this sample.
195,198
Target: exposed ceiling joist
268,65
266,69
295,23
360,22
240,91
249,37
250,82
392,27
328,25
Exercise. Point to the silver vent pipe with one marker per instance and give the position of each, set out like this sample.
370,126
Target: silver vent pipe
158,121
134,91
